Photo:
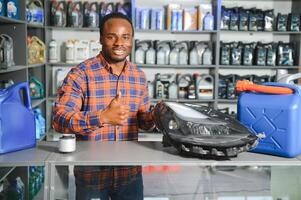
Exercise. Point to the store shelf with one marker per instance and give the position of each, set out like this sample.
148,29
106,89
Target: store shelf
5,171
37,102
158,66
72,28
51,98
36,65
7,20
227,100
256,67
13,68
63,64
184,100
262,32
31,25
172,32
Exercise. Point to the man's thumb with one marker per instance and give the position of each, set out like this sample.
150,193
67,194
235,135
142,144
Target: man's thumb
118,95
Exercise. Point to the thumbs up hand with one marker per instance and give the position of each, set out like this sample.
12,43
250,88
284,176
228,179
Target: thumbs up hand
116,113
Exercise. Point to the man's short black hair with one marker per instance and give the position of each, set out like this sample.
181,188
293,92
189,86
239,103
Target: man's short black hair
114,15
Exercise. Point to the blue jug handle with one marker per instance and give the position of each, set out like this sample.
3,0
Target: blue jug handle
24,86
297,89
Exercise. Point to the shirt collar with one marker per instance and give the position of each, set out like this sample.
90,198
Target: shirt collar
107,66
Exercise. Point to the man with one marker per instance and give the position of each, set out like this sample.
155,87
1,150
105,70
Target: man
105,98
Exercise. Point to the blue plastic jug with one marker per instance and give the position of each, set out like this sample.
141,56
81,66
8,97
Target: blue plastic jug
17,121
278,116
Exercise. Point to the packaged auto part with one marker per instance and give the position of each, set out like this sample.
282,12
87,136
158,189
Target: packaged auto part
58,76
36,88
269,20
260,58
163,50
208,22
285,54
40,123
248,52
192,88
204,86
141,48
230,81
69,51
144,18
260,20
193,54
81,50
203,9
184,81
253,20
163,82
225,53
222,87
294,22
282,22
12,9
6,51
75,14
207,57
36,11
261,79
183,53
156,16
91,14
174,54
53,51
271,54
150,54
243,19
124,8
201,47
151,89
225,18
236,53
190,19
58,12
94,48
234,19
105,9
36,50
6,83
201,131
173,90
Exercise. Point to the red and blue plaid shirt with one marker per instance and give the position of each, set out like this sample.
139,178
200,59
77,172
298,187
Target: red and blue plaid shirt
88,89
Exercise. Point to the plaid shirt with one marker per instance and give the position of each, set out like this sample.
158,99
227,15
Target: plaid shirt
88,89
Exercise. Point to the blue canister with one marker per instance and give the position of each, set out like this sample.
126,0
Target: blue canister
12,9
277,116
17,130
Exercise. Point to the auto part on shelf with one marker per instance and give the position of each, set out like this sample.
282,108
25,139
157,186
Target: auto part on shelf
6,51
58,10
202,131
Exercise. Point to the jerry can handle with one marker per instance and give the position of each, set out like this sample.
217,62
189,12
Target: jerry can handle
23,86
297,89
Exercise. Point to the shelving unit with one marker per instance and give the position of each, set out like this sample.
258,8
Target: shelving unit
20,29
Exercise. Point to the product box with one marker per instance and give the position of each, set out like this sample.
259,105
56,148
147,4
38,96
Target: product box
202,10
169,9
276,116
190,19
